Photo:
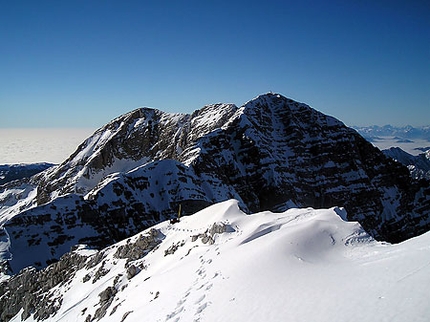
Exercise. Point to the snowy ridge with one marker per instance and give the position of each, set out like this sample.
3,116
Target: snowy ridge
15,197
222,265
418,165
131,140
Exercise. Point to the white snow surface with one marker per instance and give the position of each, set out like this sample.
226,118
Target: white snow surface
299,265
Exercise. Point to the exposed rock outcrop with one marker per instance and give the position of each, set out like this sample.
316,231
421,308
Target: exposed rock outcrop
33,290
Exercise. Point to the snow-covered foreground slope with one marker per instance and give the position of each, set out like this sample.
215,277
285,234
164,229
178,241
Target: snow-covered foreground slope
223,265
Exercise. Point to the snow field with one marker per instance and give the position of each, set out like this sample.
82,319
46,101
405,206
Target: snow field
300,265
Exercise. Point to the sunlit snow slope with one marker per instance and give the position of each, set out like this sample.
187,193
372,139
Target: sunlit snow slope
223,265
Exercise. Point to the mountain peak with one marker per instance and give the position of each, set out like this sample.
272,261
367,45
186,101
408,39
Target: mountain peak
272,153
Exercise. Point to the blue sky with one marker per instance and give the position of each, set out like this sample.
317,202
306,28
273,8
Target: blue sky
82,63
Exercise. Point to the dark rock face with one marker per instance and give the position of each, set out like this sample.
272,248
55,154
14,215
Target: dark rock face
285,151
270,154
31,290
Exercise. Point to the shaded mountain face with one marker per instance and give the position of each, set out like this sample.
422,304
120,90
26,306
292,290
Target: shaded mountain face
272,153
418,165
11,172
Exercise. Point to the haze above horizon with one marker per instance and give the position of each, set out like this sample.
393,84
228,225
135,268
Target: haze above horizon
82,63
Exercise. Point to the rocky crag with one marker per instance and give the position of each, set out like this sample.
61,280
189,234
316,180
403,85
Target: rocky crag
272,153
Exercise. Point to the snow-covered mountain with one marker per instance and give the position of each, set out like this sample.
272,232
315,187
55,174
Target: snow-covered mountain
272,153
223,265
418,165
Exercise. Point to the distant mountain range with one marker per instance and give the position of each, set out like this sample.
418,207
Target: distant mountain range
402,134
407,145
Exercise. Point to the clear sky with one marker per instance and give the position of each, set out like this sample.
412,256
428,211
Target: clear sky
82,63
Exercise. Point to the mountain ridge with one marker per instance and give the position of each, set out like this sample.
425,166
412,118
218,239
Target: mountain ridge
272,153
418,165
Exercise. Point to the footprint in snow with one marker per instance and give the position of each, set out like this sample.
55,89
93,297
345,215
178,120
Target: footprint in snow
201,298
201,308
175,313
201,271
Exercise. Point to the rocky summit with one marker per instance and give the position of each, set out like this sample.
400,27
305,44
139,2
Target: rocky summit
272,153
